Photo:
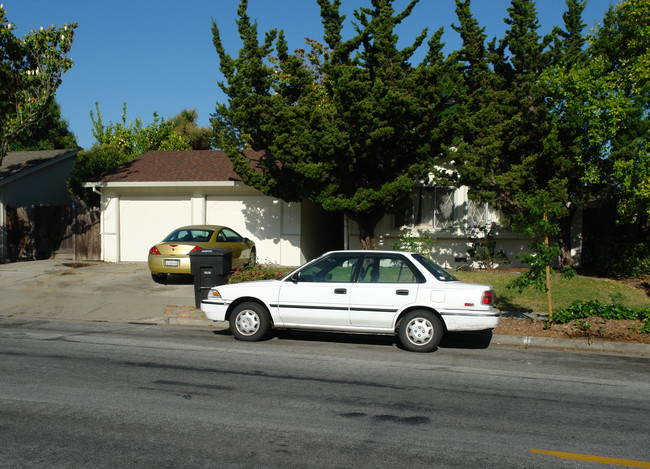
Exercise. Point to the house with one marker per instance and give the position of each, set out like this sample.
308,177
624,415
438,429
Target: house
146,198
29,178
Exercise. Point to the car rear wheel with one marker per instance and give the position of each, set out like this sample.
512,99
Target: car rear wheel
159,278
249,322
420,331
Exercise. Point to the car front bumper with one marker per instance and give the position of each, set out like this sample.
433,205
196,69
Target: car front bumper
215,309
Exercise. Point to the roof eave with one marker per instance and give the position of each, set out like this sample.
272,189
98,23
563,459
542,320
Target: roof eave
161,184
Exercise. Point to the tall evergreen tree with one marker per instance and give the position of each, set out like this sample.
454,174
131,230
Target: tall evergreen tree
347,124
567,141
509,151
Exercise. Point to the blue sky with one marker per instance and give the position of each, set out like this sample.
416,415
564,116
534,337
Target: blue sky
158,56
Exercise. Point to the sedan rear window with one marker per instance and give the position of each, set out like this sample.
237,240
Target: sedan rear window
185,235
438,272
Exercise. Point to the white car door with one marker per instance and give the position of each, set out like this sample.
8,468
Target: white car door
386,285
319,295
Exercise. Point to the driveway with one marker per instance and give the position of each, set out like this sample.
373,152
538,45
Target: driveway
94,291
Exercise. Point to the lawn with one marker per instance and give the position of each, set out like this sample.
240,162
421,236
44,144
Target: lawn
564,292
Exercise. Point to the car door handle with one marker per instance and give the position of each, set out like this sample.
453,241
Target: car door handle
402,292
340,291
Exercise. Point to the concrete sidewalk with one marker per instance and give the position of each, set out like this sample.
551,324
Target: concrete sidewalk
95,291
125,293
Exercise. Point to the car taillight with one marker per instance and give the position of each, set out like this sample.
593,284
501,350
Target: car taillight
488,297
154,251
196,248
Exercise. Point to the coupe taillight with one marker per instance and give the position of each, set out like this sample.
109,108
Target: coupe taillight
196,248
487,298
154,251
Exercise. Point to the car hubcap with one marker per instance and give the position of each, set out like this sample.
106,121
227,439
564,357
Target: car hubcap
419,331
248,322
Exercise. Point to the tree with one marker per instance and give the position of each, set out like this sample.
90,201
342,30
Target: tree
614,91
347,124
90,164
134,138
184,123
567,138
117,143
509,148
30,72
49,133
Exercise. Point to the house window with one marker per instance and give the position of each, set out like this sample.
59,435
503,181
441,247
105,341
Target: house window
477,214
430,206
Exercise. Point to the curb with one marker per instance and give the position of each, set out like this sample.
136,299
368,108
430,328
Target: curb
188,316
573,344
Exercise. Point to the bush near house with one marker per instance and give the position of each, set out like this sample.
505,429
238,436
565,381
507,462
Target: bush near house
258,272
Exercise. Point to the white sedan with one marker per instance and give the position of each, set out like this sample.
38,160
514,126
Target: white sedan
371,292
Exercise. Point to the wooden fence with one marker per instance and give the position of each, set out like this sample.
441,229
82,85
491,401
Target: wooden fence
42,231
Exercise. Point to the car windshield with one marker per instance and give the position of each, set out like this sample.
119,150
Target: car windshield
189,235
438,272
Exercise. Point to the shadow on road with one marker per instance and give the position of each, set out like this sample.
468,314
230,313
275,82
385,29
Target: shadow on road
458,340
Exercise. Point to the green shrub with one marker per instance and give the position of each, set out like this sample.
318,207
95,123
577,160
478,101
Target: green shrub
256,272
583,309
616,258
484,247
410,241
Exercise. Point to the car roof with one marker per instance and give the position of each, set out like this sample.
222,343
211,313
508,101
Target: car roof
366,251
200,227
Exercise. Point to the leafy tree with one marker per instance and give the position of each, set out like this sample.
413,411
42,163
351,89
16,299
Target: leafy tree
567,139
90,164
510,148
117,143
49,133
134,138
347,124
30,72
614,90
601,102
184,123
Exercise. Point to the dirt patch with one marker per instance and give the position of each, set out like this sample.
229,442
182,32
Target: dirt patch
593,328
77,265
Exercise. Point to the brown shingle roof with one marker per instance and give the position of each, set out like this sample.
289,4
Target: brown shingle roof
178,166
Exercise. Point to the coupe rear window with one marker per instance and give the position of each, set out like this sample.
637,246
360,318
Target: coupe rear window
189,235
438,272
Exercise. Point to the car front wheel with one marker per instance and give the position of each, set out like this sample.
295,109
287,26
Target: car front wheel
420,331
249,322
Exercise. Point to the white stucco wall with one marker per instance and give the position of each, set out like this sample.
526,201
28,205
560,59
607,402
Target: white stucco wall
136,216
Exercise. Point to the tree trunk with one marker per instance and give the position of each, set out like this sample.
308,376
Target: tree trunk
367,233
548,280
4,146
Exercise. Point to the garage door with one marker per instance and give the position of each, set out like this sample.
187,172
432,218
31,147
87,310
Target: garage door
272,224
146,220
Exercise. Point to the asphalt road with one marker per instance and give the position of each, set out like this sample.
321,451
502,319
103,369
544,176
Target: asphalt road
80,394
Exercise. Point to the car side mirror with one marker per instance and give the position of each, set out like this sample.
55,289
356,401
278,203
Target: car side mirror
295,277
